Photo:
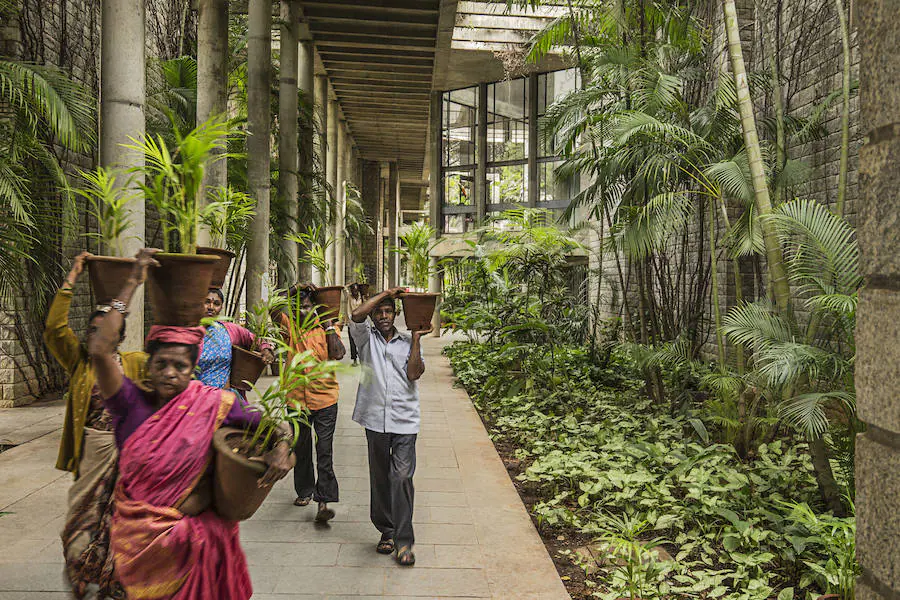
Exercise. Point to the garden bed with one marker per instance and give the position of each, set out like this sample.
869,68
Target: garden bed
678,515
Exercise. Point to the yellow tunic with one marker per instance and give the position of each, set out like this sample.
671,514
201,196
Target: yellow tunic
72,355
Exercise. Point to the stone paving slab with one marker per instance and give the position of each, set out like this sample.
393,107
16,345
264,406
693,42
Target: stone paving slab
475,539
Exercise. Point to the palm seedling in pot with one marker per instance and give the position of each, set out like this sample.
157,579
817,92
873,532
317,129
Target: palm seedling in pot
173,183
108,202
226,217
314,245
248,365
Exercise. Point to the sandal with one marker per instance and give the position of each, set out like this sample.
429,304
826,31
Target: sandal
302,501
325,514
405,557
385,546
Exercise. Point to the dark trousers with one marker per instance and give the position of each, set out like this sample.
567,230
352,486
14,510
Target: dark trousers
325,489
353,353
392,463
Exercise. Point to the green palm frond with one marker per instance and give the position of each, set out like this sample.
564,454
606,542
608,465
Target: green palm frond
757,326
44,95
821,251
806,412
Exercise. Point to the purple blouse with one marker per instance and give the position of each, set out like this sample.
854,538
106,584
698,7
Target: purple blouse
131,406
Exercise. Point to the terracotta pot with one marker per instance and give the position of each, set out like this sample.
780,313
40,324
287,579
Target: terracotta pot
235,493
221,272
418,308
178,288
108,275
330,300
246,366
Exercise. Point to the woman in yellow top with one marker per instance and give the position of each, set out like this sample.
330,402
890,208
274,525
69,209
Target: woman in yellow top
87,448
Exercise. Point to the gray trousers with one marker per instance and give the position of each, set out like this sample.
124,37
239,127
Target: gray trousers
392,463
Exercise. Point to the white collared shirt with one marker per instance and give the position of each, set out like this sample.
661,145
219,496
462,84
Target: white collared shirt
386,400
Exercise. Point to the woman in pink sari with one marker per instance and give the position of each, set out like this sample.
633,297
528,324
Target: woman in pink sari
167,543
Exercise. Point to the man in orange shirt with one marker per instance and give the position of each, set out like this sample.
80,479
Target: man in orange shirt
325,342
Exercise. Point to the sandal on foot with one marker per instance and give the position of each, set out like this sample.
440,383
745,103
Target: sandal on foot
325,514
385,546
405,557
302,501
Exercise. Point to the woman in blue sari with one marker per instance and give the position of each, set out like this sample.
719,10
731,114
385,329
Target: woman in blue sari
214,364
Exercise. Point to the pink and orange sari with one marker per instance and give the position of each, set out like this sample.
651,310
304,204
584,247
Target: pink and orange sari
161,553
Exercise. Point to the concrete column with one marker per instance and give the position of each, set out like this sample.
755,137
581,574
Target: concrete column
435,181
122,96
306,83
212,86
321,108
393,203
384,224
259,63
878,325
288,159
331,174
341,199
481,154
435,283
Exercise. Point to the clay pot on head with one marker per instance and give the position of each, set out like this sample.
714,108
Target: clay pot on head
246,368
108,275
178,288
330,300
236,497
418,309
221,272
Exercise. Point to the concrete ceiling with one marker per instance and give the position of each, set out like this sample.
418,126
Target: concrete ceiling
379,56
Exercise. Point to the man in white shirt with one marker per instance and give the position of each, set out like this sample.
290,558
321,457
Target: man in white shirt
387,405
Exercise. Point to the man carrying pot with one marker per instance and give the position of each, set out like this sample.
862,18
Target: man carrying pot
387,406
324,340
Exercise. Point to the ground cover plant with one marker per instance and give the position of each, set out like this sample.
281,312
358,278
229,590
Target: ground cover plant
671,511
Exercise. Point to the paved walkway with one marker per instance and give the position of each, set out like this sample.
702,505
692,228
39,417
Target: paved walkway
474,536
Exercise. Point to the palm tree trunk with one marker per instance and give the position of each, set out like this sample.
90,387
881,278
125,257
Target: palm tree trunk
828,487
845,110
774,258
714,284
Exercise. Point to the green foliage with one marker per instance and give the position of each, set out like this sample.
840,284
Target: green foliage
174,177
314,243
108,204
416,244
44,113
228,218
605,460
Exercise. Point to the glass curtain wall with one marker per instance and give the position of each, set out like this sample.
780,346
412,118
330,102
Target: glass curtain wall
460,129
510,133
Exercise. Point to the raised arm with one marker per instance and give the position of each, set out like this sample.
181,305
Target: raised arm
102,347
58,336
415,366
336,348
359,314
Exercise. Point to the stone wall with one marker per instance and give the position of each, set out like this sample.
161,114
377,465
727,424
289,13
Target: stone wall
878,360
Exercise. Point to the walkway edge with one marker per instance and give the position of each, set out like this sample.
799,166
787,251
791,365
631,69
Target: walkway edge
516,561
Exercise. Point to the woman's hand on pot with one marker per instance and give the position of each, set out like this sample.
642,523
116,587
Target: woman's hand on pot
268,356
77,268
279,461
145,260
